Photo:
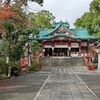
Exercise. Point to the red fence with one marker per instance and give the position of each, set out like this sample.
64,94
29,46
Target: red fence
24,61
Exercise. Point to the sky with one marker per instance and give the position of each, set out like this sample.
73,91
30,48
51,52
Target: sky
65,10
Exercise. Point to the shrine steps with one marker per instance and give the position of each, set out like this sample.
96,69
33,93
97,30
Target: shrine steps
62,61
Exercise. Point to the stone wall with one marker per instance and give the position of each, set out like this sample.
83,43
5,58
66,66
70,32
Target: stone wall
62,61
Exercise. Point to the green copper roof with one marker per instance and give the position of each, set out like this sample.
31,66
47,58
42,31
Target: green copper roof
65,24
78,33
65,35
44,32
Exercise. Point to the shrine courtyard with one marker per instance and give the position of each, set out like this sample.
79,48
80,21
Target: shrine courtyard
53,83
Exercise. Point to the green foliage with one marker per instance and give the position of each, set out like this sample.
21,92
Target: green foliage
17,25
22,38
13,26
96,24
35,47
14,64
17,52
95,6
41,19
91,19
8,25
97,34
78,22
3,66
4,46
16,7
23,2
0,47
38,1
31,29
3,76
35,65
14,53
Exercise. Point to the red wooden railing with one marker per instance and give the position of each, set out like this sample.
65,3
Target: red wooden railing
24,61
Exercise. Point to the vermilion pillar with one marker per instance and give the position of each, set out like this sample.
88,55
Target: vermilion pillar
87,47
43,50
69,49
53,47
80,48
52,50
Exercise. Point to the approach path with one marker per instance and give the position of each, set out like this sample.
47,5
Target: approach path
64,84
53,83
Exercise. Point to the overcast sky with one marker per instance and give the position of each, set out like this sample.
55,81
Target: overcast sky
64,10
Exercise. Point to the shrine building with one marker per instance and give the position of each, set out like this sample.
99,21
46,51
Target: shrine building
61,40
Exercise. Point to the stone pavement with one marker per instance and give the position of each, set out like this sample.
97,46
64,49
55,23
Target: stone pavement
24,87
64,84
53,83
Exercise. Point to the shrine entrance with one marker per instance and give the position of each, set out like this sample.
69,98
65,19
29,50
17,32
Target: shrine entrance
56,52
48,52
60,52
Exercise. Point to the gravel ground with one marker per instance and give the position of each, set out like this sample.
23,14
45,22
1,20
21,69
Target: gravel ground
91,79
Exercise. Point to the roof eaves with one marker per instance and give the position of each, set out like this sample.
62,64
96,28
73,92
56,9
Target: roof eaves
69,30
54,29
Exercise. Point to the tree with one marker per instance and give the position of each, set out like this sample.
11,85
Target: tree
95,6
17,52
11,23
22,2
91,19
41,19
35,47
14,23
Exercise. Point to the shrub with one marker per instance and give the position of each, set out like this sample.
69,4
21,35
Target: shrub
35,65
3,66
17,52
14,64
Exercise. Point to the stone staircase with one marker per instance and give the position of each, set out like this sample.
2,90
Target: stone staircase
62,61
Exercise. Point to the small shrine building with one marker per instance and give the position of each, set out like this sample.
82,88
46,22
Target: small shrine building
61,40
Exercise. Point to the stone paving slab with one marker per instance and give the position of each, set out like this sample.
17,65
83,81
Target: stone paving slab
64,84
91,78
24,87
61,84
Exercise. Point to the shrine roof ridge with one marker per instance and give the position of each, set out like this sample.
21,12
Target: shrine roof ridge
74,33
66,36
